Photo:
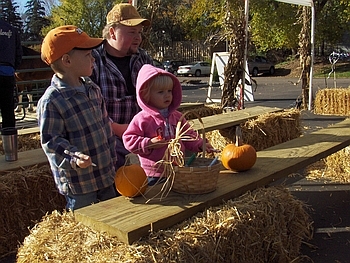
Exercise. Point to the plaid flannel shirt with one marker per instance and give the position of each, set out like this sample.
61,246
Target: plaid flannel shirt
121,107
78,122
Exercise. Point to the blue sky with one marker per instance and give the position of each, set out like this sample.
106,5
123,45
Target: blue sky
22,3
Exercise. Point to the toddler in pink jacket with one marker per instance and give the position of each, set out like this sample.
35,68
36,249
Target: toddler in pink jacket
159,94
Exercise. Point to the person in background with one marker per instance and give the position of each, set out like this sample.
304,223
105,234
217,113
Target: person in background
117,63
75,130
159,94
10,58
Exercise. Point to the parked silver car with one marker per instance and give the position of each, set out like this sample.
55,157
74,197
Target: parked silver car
259,65
195,69
172,65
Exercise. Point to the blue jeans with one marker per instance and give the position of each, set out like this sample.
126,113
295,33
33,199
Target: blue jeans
155,180
80,200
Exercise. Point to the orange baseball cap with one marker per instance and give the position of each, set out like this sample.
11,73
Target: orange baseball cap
126,15
63,39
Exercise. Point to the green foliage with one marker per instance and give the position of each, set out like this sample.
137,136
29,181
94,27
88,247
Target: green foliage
273,25
35,20
90,16
165,20
10,14
202,18
332,21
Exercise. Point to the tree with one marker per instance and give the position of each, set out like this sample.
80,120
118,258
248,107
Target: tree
35,19
202,19
332,21
90,16
9,13
273,25
166,23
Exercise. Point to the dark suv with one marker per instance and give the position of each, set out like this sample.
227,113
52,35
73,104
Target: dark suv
172,65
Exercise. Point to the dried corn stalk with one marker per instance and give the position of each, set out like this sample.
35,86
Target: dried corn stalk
235,34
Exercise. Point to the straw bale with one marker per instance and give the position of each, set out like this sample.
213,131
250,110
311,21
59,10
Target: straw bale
266,225
262,132
203,111
334,168
25,196
332,101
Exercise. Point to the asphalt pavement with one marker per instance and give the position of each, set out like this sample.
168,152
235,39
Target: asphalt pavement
329,203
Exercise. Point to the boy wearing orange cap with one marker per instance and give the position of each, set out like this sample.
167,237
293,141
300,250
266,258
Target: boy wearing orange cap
75,130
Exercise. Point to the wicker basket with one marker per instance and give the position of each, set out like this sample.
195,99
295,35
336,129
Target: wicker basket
199,178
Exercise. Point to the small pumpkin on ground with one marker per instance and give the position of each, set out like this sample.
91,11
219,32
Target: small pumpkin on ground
238,157
131,180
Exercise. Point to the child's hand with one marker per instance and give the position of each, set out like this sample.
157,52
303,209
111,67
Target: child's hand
157,142
84,160
209,148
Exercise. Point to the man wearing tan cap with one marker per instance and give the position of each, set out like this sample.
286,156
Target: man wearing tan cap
117,63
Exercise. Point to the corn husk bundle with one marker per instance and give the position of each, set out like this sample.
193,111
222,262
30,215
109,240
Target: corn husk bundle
25,142
25,196
266,225
335,101
265,131
334,168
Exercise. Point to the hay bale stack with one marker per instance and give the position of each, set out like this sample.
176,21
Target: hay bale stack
265,131
203,111
334,101
25,196
334,168
267,225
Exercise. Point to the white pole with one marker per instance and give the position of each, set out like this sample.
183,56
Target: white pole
311,4
312,52
246,14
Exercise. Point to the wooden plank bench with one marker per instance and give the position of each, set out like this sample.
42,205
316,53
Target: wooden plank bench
37,156
130,219
25,159
28,131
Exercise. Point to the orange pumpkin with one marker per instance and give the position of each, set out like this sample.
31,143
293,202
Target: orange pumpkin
131,180
239,157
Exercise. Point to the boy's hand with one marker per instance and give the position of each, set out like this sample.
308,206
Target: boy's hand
83,161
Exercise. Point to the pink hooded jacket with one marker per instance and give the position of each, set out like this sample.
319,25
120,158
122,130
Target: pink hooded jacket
149,123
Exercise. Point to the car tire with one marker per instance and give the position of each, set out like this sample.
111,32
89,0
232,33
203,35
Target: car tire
255,72
197,73
272,71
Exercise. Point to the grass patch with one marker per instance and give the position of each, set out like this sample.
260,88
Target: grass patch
341,70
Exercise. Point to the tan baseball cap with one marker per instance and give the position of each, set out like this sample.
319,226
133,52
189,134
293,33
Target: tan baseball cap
126,15
63,39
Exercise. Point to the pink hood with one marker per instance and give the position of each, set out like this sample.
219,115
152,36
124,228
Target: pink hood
148,72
